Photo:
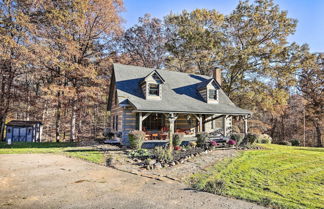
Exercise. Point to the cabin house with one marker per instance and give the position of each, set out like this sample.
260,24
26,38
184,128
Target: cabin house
24,131
162,101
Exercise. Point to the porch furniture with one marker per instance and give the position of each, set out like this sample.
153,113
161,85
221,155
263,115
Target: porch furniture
184,131
163,136
155,136
148,135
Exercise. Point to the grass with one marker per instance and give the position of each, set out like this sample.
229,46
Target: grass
67,148
278,177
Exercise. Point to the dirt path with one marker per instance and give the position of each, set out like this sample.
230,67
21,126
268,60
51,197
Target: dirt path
55,181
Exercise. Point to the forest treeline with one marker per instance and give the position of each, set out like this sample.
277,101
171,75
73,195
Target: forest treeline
56,59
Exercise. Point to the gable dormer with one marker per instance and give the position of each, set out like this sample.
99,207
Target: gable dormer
152,86
209,91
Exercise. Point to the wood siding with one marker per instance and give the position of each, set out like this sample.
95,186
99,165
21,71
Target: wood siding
203,93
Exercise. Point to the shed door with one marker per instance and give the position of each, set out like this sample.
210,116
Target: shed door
29,134
23,134
15,135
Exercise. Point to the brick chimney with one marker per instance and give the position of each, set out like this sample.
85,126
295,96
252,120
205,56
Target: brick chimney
217,75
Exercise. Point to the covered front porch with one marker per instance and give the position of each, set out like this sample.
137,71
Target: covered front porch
159,125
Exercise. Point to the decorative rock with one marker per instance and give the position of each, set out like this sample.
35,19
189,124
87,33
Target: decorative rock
152,162
157,165
110,161
172,164
182,161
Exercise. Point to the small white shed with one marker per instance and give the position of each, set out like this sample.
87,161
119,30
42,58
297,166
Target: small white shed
24,131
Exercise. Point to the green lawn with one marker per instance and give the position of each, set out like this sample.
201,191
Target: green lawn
66,148
278,177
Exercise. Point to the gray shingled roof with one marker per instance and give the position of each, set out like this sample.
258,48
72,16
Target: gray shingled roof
179,92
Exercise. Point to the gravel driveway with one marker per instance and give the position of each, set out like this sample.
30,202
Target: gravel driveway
55,181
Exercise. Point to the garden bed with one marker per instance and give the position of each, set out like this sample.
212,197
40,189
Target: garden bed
147,159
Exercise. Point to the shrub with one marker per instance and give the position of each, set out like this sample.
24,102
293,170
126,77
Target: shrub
192,144
177,147
295,142
231,142
238,138
213,144
287,143
215,186
177,139
202,137
107,133
250,139
264,139
265,201
140,153
163,154
136,139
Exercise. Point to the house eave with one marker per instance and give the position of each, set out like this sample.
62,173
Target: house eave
192,112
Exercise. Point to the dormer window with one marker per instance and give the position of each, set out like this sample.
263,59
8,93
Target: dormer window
213,94
208,90
154,89
152,86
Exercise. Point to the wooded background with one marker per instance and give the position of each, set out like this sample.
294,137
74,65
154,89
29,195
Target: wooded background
56,59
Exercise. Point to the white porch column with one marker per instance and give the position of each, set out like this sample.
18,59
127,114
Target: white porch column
199,118
171,118
141,118
245,125
140,121
225,125
200,123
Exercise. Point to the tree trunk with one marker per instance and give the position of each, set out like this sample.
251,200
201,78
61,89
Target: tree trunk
58,118
318,134
2,127
73,123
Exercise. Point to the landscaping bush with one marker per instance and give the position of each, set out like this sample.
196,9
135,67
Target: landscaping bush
162,154
231,142
295,142
136,139
213,144
215,186
287,143
177,139
107,133
140,153
177,147
238,138
202,138
192,144
264,139
249,139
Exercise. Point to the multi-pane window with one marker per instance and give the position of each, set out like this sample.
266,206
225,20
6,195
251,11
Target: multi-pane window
116,120
113,122
212,94
154,89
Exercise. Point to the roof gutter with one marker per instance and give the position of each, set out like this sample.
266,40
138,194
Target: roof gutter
221,113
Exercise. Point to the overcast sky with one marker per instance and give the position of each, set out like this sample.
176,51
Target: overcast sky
309,13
